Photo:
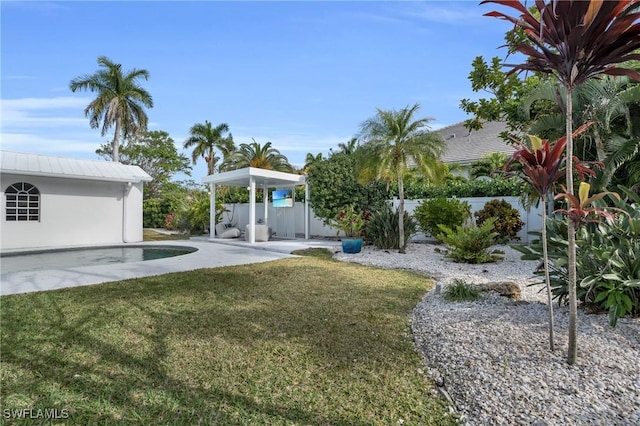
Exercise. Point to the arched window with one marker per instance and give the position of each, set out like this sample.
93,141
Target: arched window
22,202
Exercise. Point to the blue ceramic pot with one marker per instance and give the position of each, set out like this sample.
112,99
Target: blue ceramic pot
351,245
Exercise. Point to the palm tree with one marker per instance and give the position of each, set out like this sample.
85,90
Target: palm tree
349,147
391,139
256,155
488,164
607,102
120,101
575,41
206,139
311,159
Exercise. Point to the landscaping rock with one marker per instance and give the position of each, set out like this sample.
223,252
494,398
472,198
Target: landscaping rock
506,288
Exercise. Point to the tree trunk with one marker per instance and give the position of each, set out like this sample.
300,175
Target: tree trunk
403,248
115,143
571,267
547,280
602,154
211,165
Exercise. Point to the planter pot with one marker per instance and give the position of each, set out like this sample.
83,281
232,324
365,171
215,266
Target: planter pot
351,245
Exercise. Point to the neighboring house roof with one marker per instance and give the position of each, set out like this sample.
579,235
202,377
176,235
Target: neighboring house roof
70,168
464,147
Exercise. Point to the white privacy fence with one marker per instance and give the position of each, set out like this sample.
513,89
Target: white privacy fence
289,221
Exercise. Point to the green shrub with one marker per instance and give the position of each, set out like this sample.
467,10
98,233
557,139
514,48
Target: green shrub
441,211
496,187
460,291
382,228
608,265
508,224
154,212
333,185
469,243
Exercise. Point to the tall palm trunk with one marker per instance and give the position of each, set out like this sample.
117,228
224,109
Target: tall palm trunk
571,230
401,244
115,143
211,164
547,280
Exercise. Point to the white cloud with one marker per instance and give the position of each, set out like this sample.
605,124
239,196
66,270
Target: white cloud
34,113
23,142
61,102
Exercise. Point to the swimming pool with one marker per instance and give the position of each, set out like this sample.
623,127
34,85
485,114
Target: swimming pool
73,258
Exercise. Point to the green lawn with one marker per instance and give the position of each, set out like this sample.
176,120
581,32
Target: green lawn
297,341
151,235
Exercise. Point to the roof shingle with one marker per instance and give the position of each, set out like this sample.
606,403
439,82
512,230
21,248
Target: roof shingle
465,147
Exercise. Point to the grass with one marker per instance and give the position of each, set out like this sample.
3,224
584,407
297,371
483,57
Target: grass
461,291
296,341
320,253
151,235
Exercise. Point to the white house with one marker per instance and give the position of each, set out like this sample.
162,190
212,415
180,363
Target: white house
52,201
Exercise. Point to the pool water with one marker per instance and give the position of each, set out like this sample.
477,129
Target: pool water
73,258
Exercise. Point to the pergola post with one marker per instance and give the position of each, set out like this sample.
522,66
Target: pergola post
252,210
306,211
212,210
265,198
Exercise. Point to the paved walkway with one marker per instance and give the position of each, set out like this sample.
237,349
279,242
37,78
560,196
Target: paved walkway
210,254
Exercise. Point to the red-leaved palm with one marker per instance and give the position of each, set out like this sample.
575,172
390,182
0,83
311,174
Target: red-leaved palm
575,41
542,166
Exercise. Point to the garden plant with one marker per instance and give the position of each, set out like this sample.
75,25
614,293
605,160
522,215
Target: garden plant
575,41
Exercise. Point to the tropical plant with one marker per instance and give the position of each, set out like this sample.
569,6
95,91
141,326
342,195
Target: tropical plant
391,139
469,243
350,221
206,139
259,156
542,165
460,291
608,268
348,147
488,164
508,222
441,211
382,228
310,160
575,41
155,152
608,103
579,211
333,185
120,102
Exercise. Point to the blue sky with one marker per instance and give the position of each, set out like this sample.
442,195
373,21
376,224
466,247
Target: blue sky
302,75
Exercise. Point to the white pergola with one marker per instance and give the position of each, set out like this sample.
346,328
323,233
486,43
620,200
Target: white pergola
251,177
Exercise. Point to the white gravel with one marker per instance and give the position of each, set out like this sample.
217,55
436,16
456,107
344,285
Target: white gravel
492,356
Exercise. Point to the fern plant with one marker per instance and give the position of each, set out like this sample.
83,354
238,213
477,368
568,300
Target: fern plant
469,243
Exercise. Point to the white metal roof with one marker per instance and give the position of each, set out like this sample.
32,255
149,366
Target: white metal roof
241,177
71,168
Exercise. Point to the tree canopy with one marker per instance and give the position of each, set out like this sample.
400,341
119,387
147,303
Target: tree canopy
120,101
155,152
206,139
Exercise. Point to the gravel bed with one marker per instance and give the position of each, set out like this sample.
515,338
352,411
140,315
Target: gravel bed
492,356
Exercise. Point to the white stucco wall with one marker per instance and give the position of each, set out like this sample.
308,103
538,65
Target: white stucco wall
531,218
73,212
